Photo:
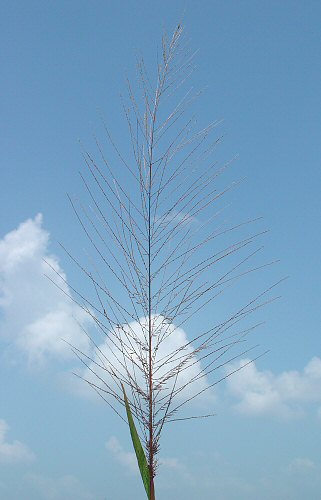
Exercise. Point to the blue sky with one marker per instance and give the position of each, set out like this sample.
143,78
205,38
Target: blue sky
63,66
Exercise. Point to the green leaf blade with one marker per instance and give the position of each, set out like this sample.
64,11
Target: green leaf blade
140,454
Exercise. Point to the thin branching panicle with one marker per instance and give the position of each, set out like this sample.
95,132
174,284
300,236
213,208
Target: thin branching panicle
158,259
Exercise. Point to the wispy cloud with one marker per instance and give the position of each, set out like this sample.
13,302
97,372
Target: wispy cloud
301,465
284,395
172,463
60,488
13,452
35,314
125,458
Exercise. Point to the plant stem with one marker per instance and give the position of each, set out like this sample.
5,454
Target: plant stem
150,335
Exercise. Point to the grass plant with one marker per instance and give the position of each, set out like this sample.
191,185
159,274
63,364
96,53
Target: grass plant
162,256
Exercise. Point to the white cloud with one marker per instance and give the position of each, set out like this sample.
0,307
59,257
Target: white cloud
66,487
283,395
108,356
35,314
15,452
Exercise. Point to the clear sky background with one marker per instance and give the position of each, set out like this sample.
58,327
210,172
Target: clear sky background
63,66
